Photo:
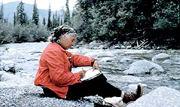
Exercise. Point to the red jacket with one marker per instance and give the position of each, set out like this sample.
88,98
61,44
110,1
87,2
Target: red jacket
54,69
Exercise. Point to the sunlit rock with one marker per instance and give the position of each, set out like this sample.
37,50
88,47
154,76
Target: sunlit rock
7,65
160,57
11,80
143,66
160,97
168,61
8,76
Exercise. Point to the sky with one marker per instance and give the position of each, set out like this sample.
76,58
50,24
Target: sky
44,4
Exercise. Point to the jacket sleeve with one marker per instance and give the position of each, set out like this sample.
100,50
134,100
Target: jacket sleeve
80,60
58,75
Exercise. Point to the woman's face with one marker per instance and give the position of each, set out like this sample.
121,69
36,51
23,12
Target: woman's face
67,41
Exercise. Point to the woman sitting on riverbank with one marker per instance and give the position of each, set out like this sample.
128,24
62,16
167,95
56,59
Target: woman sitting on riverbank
55,77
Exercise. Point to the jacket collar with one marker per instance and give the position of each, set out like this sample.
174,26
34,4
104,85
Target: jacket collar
60,47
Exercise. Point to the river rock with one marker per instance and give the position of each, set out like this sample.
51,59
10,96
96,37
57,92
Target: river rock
100,53
143,66
7,65
168,61
160,97
107,59
8,76
160,57
126,60
10,80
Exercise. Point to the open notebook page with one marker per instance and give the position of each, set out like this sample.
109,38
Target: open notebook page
89,72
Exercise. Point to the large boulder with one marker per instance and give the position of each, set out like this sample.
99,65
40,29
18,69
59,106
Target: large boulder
143,66
160,97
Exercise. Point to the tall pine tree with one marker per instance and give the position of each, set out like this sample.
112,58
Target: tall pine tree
1,12
35,16
55,20
21,15
67,14
44,21
82,19
15,19
49,18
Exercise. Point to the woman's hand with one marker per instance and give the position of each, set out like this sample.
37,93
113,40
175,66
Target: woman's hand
95,65
82,73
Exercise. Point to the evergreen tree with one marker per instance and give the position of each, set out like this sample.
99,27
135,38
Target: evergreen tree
138,17
58,20
105,20
55,21
49,18
21,15
179,14
35,16
61,20
166,14
44,21
1,12
15,19
82,19
67,14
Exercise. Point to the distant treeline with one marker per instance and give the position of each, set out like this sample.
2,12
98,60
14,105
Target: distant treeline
116,21
24,29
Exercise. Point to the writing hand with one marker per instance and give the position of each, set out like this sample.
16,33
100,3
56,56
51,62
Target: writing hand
95,65
82,73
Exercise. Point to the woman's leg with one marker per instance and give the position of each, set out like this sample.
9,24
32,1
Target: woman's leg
98,85
49,93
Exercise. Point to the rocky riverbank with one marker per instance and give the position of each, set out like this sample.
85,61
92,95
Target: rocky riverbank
157,70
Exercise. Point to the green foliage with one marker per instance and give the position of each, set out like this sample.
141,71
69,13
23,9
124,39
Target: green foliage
166,15
22,33
29,33
44,21
24,30
67,14
81,21
15,19
1,12
5,32
105,21
55,20
123,20
35,16
21,15
49,18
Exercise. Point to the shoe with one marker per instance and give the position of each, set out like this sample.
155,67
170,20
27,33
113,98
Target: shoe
113,101
133,96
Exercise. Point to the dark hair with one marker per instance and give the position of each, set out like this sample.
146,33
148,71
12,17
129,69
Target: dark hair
59,31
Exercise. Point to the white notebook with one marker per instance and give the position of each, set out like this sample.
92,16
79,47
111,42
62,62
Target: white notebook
90,74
